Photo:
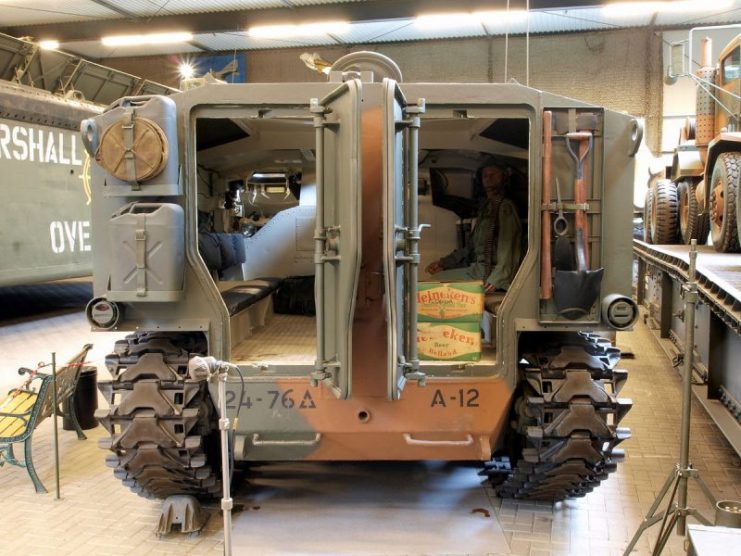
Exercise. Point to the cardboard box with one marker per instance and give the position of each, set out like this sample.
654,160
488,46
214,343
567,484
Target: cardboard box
450,301
445,341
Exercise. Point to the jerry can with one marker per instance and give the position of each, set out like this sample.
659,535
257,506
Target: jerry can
134,141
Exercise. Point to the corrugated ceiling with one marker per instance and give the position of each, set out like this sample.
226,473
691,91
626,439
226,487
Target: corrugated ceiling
242,41
202,6
371,28
24,12
93,49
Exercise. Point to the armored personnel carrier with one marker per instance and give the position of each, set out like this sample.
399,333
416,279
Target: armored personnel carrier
281,228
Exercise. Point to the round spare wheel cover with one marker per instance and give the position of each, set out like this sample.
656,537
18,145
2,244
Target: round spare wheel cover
149,147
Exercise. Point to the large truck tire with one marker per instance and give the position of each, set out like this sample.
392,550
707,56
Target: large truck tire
162,423
693,224
664,213
564,422
723,210
647,210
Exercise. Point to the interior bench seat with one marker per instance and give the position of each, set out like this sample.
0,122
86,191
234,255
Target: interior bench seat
248,293
250,305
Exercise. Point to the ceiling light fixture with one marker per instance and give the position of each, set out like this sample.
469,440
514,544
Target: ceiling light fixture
303,30
186,70
49,44
140,40
662,7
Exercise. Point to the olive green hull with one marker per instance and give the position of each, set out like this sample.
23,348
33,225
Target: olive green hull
45,214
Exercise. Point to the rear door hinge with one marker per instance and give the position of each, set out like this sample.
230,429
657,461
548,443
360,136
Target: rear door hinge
330,245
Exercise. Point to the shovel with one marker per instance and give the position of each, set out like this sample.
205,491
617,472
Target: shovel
575,291
585,140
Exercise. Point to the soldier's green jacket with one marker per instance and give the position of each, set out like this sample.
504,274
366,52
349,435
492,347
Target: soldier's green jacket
469,263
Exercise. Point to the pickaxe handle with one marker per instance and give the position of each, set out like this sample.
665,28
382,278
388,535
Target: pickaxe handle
585,140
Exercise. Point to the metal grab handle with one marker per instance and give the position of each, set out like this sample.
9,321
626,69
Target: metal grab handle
257,442
636,136
468,441
90,136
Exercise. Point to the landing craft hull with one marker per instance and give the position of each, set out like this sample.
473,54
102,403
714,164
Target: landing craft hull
44,184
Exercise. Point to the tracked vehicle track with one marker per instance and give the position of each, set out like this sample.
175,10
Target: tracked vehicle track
566,420
161,421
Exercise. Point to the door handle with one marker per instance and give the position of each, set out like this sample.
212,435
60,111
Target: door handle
467,441
256,441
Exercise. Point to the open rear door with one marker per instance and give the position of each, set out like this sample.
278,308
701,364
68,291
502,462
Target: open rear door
337,237
401,235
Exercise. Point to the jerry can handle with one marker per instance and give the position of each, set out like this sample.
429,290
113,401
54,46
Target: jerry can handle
135,101
138,208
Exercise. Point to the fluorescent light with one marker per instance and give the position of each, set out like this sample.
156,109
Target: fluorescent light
457,19
139,40
303,30
663,7
49,44
263,175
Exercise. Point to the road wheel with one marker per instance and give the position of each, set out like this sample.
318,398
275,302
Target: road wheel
647,210
692,223
664,214
723,188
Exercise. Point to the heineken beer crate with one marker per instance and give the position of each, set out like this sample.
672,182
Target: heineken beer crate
449,341
450,301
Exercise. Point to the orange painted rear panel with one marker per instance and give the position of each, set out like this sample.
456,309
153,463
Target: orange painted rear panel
449,418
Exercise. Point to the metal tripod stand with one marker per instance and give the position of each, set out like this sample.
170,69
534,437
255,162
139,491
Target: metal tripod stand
677,512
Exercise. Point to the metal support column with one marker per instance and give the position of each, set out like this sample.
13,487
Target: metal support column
224,424
677,512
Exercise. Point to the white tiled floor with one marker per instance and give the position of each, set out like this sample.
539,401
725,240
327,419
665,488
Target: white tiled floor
356,508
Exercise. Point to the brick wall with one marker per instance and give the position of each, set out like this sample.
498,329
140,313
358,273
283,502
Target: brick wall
619,69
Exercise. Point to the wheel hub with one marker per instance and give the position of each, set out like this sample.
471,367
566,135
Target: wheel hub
684,213
718,205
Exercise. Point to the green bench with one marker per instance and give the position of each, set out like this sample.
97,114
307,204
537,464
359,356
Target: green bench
24,408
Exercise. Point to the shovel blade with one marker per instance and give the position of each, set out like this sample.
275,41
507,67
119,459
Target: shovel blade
575,292
563,254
